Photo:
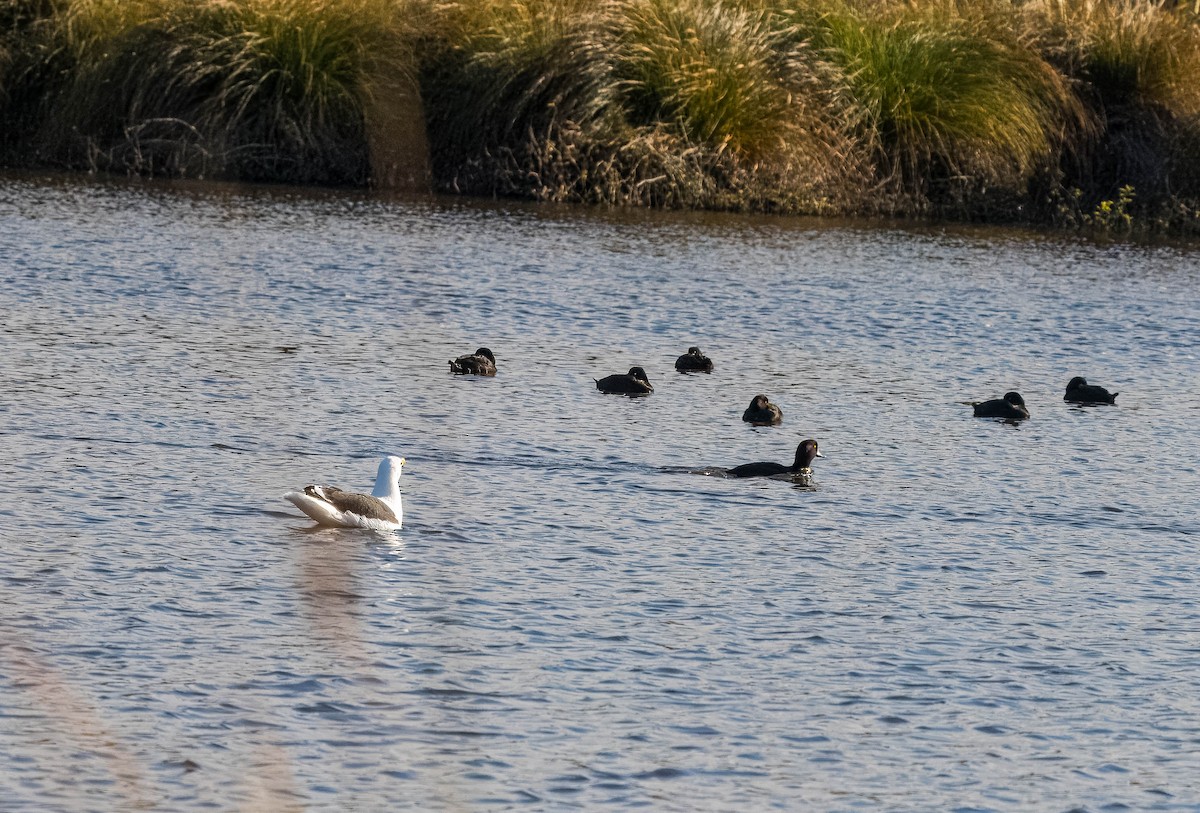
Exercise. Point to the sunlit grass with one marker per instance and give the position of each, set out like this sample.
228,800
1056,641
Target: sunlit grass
1143,52
1137,65
718,74
505,79
612,102
943,95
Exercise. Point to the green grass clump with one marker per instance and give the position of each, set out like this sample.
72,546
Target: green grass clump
255,90
717,74
1137,65
504,81
945,97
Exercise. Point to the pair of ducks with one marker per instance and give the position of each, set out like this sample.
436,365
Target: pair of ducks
636,382
1012,406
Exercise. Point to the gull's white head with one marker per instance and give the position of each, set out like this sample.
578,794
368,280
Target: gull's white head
387,482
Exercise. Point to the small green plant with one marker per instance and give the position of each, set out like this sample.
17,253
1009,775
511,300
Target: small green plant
1113,216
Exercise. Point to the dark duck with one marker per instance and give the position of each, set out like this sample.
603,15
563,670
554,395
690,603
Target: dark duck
806,452
481,362
693,361
1011,407
1081,392
762,411
633,382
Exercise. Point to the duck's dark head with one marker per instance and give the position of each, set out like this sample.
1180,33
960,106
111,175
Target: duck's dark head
639,374
694,351
1014,398
806,452
759,402
1077,382
487,354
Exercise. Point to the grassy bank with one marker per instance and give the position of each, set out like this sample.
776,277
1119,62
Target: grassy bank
1075,112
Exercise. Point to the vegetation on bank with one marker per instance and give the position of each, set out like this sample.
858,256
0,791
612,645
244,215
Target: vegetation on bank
1077,112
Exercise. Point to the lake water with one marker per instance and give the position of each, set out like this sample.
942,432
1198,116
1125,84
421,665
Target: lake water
955,614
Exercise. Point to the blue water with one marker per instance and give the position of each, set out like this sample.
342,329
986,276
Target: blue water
954,614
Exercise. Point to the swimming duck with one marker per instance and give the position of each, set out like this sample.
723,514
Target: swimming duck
693,361
1081,392
633,382
481,362
763,412
1010,407
806,452
381,510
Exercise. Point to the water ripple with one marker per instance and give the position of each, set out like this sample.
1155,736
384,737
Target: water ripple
954,615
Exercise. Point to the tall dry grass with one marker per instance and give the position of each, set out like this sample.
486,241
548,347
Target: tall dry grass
1127,52
628,102
717,74
505,82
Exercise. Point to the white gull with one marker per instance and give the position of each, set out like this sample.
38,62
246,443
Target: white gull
379,511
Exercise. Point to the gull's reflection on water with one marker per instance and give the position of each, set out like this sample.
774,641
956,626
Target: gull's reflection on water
329,585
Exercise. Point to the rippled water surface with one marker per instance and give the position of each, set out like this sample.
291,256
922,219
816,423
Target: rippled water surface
955,614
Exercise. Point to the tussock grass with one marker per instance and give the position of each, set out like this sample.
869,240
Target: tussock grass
718,75
1128,52
1137,65
949,102
740,81
1002,109
504,82
598,103
256,89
